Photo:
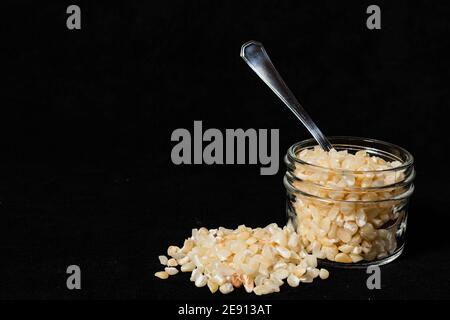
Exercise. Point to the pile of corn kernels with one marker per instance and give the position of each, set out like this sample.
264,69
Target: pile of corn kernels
260,259
347,231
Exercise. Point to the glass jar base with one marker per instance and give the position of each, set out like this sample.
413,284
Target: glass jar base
361,265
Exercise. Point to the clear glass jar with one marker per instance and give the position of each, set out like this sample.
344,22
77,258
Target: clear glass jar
348,224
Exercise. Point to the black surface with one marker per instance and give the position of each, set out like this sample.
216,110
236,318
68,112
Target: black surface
86,117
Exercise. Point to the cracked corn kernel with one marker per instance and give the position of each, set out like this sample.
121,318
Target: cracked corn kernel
351,227
236,280
195,274
248,283
212,286
260,290
184,260
201,281
272,286
226,288
259,279
172,250
299,271
346,248
285,253
281,273
279,265
368,232
293,280
324,274
356,258
172,262
188,267
342,257
163,260
188,245
344,235
274,280
162,275
171,271
313,273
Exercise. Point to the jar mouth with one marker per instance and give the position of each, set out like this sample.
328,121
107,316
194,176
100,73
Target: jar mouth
374,147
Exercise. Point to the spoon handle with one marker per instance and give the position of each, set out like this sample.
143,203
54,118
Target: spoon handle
256,57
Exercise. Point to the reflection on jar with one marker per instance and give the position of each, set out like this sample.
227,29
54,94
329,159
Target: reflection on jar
350,205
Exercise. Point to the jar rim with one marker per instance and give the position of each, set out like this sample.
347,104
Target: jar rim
407,162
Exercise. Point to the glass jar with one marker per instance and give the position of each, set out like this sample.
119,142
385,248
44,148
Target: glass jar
348,224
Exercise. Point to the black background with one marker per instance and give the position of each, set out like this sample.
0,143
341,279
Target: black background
86,118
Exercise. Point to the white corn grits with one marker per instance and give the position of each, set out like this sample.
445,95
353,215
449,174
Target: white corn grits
259,260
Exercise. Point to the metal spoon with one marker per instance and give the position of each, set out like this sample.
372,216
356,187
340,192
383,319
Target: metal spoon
256,57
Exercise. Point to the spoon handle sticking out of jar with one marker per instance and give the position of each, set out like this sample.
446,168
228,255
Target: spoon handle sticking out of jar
257,58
